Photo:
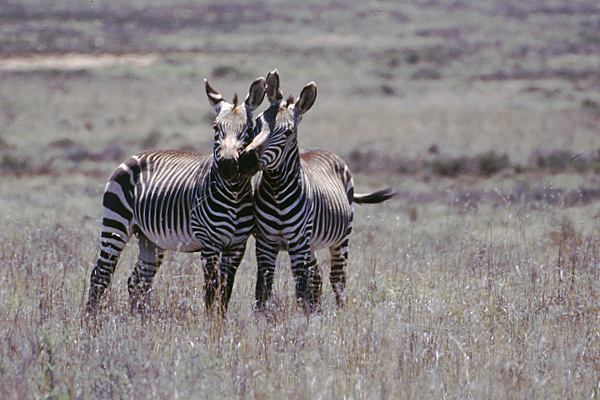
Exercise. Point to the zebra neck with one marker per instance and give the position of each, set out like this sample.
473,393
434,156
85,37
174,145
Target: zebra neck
287,174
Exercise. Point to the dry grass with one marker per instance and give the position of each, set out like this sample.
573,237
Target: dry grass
478,281
493,302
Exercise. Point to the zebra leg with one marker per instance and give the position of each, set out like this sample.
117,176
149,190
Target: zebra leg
140,281
230,261
337,277
300,256
315,283
266,257
210,266
112,244
117,218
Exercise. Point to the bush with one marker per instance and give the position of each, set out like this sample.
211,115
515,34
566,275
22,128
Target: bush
426,73
555,161
486,164
491,163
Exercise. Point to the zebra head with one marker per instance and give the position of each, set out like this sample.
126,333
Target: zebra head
233,125
276,128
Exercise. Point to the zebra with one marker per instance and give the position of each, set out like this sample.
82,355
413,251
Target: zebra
181,201
304,201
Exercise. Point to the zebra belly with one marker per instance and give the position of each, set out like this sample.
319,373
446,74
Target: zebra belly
324,231
318,243
173,241
224,240
281,238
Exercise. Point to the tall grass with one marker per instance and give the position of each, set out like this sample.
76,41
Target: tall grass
479,281
491,303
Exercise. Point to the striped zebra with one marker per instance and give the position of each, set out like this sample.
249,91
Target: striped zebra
180,201
304,201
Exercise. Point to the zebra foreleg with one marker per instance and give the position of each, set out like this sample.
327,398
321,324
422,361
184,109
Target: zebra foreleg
230,261
337,276
140,281
212,279
300,258
266,257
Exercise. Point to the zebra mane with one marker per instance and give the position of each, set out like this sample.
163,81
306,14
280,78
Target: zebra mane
235,100
290,100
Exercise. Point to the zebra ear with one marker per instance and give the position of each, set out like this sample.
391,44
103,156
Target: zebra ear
256,94
214,98
307,98
274,93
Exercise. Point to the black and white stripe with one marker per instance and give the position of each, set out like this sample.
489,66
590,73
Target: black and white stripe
303,200
182,201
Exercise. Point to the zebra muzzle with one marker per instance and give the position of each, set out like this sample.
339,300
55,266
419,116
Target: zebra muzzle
227,168
249,162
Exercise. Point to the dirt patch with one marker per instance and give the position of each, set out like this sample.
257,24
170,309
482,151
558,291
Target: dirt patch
75,61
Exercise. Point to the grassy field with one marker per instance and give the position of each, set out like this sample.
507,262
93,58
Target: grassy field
480,280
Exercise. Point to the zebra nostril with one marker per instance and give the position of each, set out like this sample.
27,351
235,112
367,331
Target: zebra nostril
227,167
249,163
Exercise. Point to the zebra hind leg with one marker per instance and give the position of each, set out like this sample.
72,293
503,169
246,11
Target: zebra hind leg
337,276
140,281
112,244
315,283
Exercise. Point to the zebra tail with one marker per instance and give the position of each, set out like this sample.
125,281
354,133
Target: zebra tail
375,197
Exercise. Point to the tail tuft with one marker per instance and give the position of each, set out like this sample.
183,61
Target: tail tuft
375,197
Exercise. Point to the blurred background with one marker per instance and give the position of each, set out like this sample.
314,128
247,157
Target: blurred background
426,88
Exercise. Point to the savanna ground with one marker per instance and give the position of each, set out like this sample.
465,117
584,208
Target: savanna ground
480,280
